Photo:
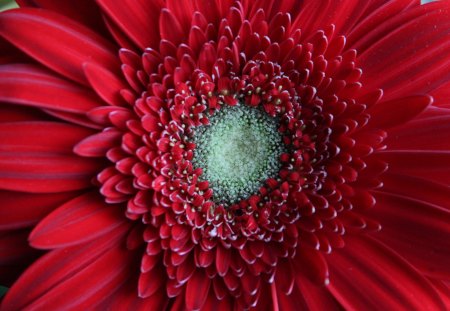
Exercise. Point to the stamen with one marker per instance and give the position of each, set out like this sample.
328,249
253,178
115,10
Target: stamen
238,151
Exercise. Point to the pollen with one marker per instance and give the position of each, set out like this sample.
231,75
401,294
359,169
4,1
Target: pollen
238,151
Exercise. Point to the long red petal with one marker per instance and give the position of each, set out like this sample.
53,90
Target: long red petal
316,297
79,220
417,188
42,172
417,230
84,11
97,145
56,275
432,165
33,86
197,290
367,275
19,210
105,83
62,44
395,112
421,134
139,21
342,14
423,33
40,137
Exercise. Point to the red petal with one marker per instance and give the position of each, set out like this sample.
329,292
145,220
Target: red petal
185,270
44,172
312,264
170,28
20,210
342,14
388,10
150,282
423,35
421,134
432,165
119,36
417,188
32,86
40,137
395,112
197,290
284,277
183,10
125,298
97,145
48,283
212,303
316,297
209,10
83,11
79,220
295,301
139,20
417,230
368,275
223,257
105,83
78,119
62,44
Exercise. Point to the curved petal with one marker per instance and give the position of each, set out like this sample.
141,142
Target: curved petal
80,220
45,173
366,275
311,264
139,20
432,165
37,157
19,210
384,14
62,44
32,86
197,290
432,133
125,298
98,144
316,15
417,188
99,269
35,136
316,297
83,11
73,118
105,83
395,112
414,44
417,230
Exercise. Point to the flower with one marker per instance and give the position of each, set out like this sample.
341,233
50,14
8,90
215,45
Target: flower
199,155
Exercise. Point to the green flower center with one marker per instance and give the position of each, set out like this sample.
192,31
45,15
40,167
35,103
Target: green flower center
238,151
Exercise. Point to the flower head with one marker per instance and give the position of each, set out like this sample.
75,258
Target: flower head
266,155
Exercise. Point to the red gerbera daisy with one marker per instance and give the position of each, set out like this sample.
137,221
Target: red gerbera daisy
225,154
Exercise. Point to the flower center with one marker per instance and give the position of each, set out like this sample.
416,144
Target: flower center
238,151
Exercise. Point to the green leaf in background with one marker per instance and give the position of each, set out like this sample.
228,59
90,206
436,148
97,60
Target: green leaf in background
7,4
3,290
